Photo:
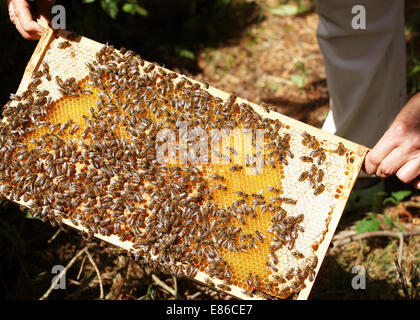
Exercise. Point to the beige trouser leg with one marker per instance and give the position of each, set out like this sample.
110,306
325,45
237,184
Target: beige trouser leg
366,69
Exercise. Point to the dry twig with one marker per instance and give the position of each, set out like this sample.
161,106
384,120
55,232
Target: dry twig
81,268
54,236
101,288
175,286
195,295
163,285
347,237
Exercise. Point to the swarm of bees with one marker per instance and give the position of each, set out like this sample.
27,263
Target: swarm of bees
101,172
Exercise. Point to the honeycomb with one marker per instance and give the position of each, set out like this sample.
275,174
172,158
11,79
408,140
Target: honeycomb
196,181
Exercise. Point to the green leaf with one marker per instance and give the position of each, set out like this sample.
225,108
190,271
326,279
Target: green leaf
129,8
414,70
88,1
401,195
299,80
140,10
185,53
389,200
367,226
274,86
110,7
389,221
28,215
301,67
284,10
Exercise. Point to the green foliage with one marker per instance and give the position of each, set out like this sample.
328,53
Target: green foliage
382,199
370,223
396,197
300,78
274,87
291,7
184,53
150,293
134,8
389,222
284,10
112,7
409,283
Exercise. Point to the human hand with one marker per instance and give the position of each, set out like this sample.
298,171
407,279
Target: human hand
22,15
398,151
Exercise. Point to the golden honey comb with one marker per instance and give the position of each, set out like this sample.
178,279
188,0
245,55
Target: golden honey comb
253,214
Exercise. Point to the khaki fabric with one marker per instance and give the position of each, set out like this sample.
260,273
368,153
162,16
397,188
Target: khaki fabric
366,69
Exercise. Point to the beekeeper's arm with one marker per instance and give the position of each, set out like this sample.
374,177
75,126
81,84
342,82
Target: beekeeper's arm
22,15
398,151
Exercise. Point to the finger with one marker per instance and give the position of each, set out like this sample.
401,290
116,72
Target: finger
374,158
22,31
392,162
11,10
409,171
23,14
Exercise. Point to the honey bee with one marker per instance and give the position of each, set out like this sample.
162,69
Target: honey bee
271,267
247,293
274,258
320,176
149,68
321,158
319,189
64,45
221,187
341,150
249,279
311,275
257,196
306,159
256,281
259,236
316,153
279,278
313,170
313,261
273,189
37,74
74,128
303,176
298,255
241,194
265,107
235,168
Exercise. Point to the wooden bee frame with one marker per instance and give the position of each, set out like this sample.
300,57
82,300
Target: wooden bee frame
355,156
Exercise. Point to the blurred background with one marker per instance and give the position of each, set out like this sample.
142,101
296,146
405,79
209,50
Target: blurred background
264,51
